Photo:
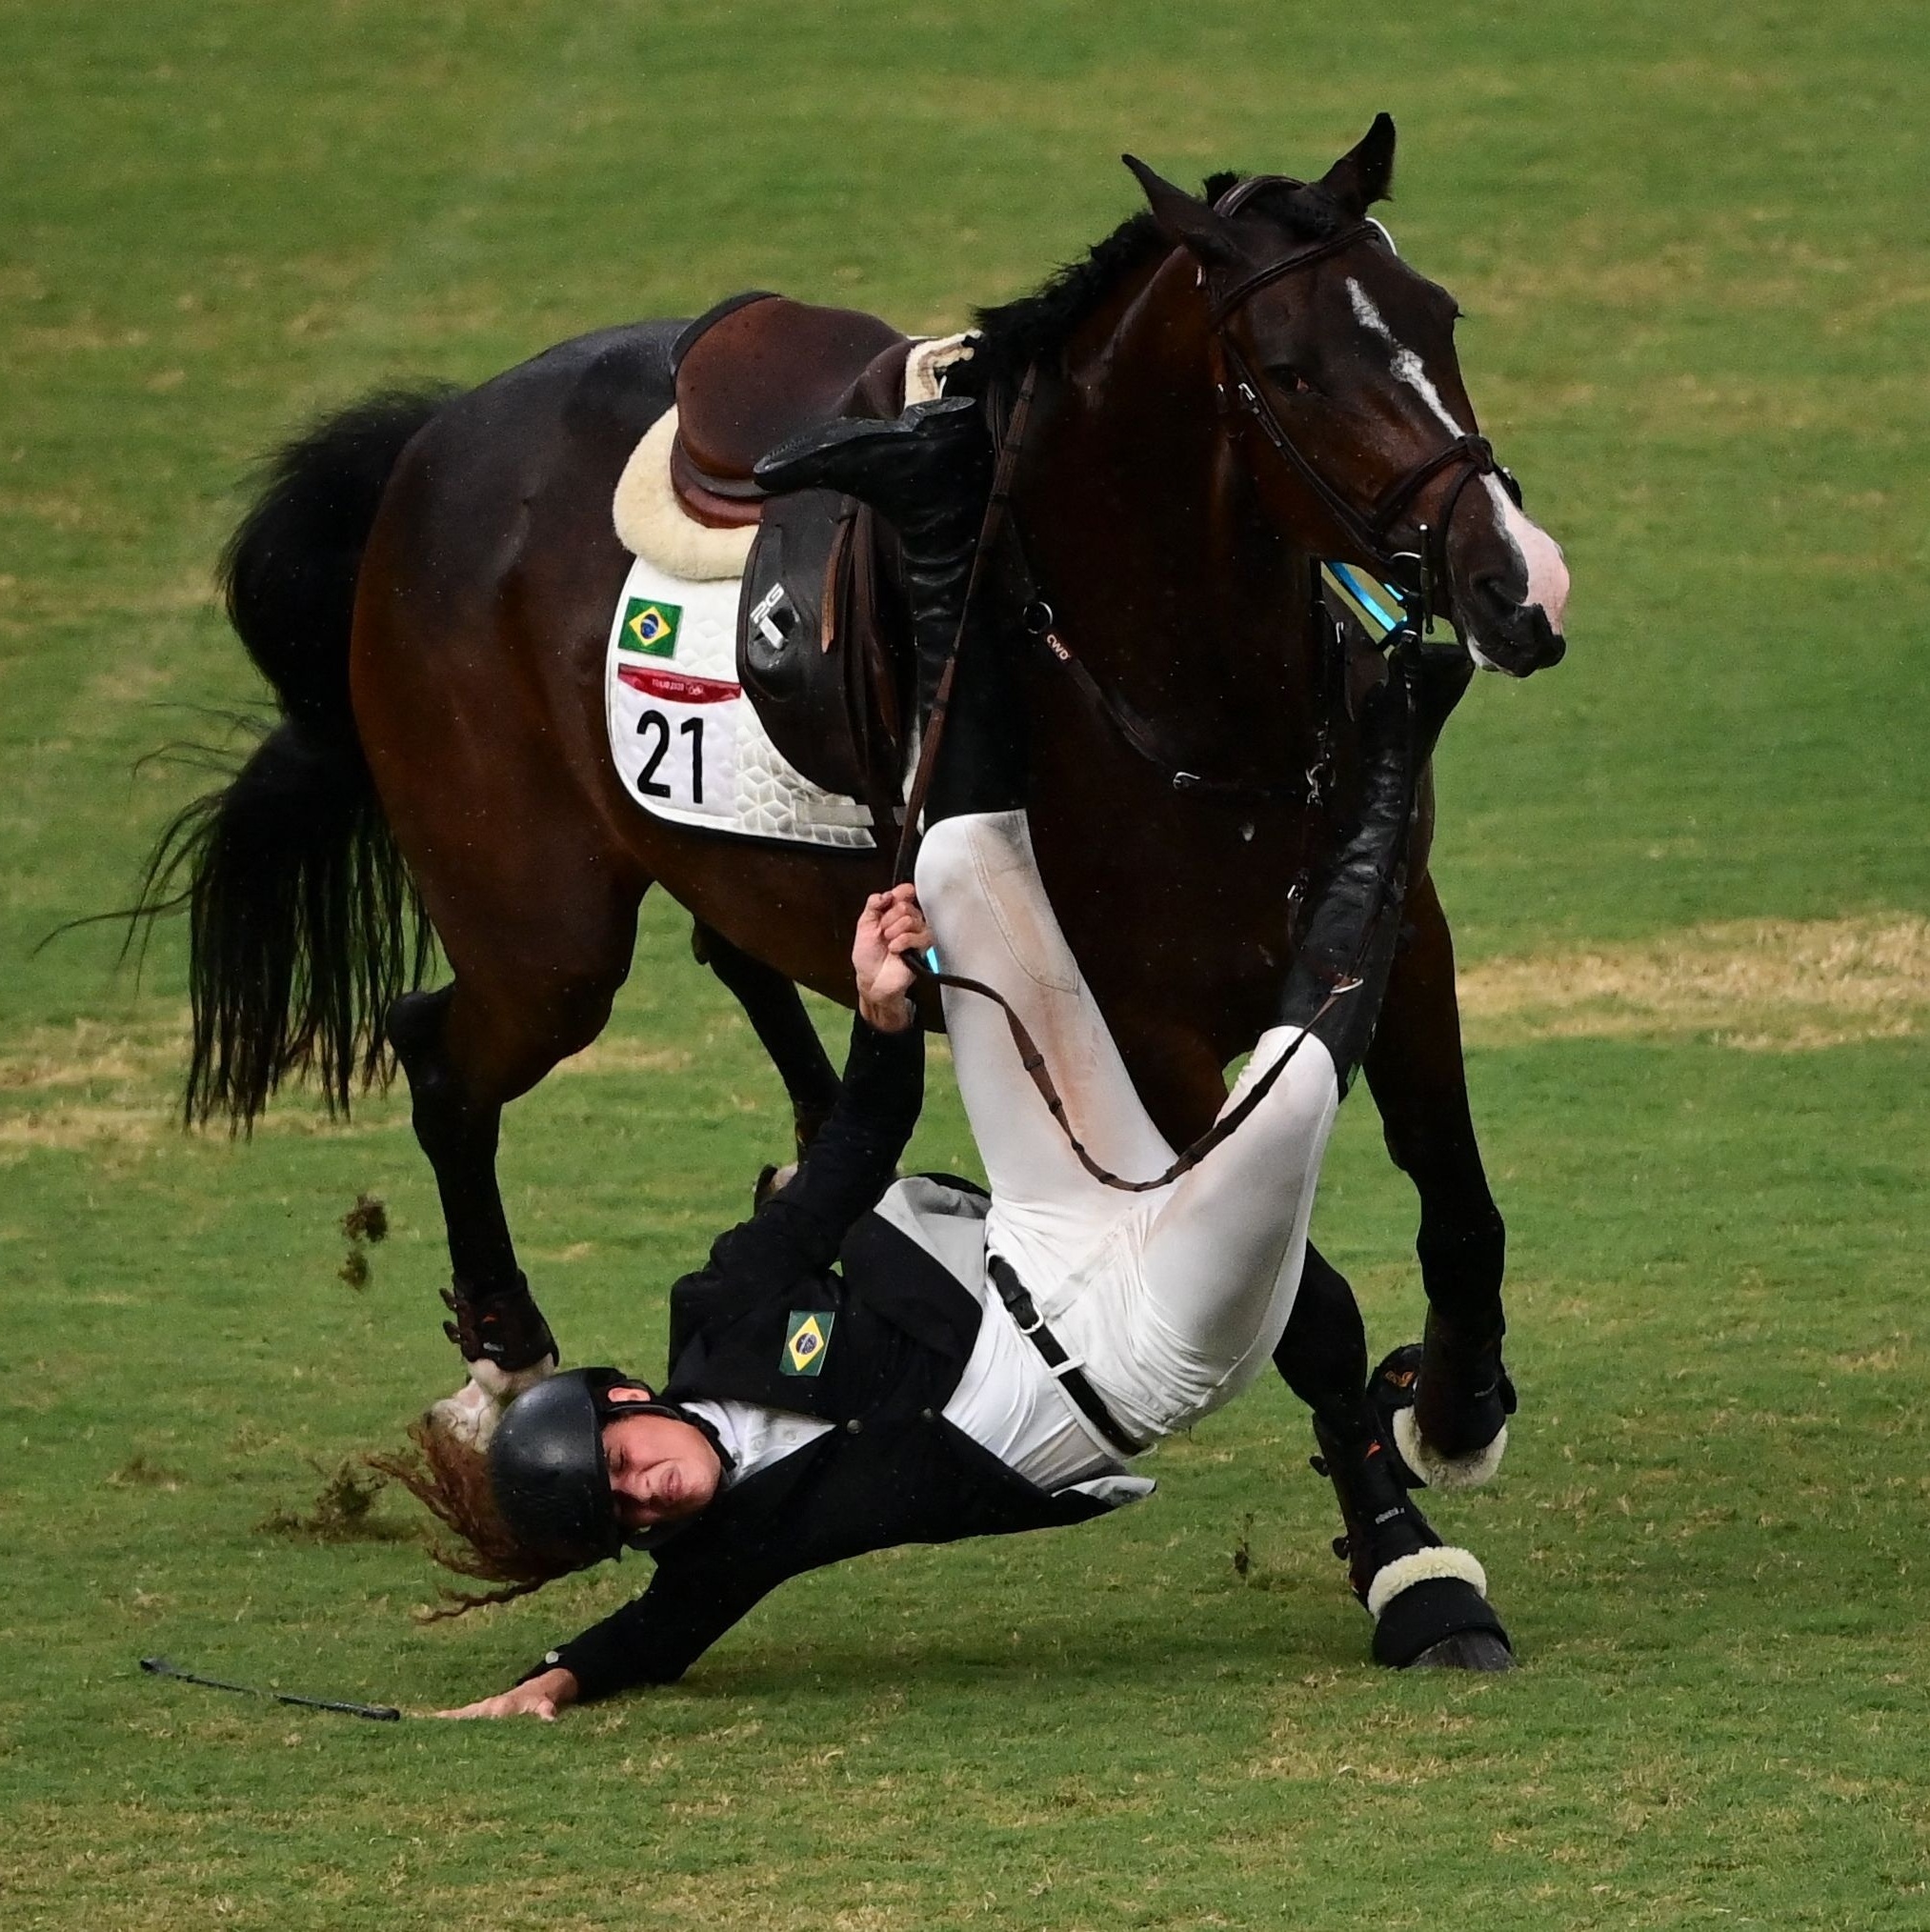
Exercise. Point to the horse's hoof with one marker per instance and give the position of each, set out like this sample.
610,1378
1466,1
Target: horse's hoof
1422,1458
1431,1470
472,1414
1431,1609
1462,1400
1467,1650
469,1416
1392,1389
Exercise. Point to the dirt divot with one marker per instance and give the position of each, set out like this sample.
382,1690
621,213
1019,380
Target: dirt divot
1759,985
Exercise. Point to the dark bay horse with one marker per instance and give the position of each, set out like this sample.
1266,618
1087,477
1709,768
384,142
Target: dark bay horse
428,582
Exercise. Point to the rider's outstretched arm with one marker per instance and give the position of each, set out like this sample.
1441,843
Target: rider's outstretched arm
800,1228
854,1158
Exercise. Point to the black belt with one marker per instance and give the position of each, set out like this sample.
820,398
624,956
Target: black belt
1012,1292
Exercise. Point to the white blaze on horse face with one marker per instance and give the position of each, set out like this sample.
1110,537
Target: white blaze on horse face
1542,565
1408,367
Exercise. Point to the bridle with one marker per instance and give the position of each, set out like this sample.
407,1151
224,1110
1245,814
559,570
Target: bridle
1411,572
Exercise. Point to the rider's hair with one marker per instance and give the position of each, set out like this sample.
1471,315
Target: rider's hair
451,1479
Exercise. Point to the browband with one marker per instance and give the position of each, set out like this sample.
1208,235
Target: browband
1237,196
1243,291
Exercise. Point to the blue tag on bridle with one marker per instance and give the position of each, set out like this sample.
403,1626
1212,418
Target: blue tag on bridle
1377,606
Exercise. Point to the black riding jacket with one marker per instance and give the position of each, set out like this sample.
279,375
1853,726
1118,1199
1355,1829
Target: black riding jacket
893,1330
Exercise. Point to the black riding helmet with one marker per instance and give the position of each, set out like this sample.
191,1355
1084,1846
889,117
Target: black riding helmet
548,1470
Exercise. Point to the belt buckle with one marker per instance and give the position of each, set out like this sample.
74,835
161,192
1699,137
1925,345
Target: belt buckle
1011,1291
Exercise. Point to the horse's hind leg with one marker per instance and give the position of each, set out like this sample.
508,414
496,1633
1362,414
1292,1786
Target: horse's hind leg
457,1129
470,1048
1457,1428
777,1016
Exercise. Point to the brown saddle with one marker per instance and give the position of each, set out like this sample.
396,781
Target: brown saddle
758,369
823,637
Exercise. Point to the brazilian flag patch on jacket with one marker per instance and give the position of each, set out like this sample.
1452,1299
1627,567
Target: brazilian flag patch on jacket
806,1338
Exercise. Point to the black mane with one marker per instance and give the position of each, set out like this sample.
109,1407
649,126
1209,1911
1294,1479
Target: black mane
1036,328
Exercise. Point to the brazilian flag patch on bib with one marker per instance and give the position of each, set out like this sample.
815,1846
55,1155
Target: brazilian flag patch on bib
805,1340
650,627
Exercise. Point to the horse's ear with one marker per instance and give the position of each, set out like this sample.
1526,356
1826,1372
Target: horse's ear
1185,221
1364,174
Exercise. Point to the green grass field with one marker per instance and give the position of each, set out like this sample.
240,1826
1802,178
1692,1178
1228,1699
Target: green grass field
1688,872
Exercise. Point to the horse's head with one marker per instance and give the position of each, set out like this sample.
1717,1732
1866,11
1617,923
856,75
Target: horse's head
1336,363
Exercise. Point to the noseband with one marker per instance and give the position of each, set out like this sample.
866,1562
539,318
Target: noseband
1410,572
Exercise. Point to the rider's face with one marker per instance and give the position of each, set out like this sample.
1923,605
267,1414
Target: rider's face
660,1470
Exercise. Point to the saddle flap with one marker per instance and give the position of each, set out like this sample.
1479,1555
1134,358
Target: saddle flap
822,647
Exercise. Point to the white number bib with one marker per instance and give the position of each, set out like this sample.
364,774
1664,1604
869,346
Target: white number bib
688,745
676,740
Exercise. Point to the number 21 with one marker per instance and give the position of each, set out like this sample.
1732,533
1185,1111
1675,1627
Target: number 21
654,723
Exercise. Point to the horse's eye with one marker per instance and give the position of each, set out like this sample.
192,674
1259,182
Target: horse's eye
1289,378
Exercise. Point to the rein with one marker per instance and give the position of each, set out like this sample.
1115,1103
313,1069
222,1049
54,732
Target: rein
1041,1075
1040,623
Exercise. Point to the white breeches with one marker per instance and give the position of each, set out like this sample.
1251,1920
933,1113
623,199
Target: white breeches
1172,1300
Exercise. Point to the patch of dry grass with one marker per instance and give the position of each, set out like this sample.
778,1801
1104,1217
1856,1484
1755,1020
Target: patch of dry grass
1757,985
1760,986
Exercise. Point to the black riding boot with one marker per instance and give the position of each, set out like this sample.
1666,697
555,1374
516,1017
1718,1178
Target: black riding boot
1340,968
927,473
1348,950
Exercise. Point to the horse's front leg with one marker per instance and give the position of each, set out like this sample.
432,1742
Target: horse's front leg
1456,1429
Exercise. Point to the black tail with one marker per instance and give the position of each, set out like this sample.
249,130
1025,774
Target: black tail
305,924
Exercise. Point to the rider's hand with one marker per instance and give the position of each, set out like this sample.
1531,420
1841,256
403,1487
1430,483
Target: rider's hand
1437,674
542,1696
892,924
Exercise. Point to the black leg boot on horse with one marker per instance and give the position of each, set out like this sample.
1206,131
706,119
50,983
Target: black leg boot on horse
1428,1600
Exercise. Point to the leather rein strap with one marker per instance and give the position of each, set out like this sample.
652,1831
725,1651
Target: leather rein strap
1040,1076
1039,623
